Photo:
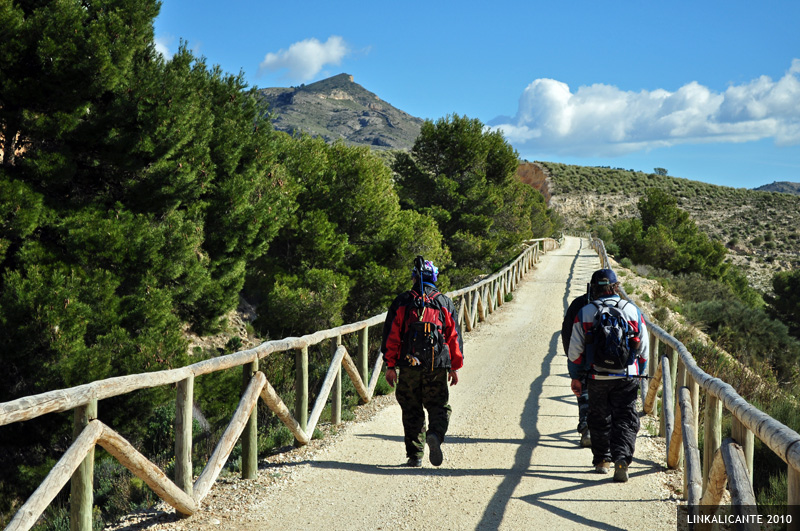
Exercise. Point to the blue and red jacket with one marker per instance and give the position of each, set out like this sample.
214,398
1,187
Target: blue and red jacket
580,355
397,320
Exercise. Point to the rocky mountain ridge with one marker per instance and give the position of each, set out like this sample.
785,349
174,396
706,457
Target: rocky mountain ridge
781,186
337,108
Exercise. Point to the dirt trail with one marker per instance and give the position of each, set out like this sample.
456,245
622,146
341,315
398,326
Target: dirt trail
512,459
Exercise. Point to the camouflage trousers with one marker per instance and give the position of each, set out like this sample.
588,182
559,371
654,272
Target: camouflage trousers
419,388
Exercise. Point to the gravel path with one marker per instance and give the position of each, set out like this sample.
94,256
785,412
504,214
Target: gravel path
512,459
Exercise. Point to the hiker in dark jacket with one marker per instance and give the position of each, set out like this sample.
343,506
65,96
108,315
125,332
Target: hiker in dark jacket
422,340
613,419
583,396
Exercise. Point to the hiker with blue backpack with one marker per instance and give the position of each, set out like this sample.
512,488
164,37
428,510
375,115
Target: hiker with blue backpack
609,347
422,340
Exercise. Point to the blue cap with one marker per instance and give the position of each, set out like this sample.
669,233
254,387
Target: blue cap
430,273
604,277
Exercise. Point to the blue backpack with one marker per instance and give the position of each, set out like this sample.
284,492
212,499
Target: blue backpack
610,336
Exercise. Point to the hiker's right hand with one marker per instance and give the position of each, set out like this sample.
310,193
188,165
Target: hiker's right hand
576,387
391,376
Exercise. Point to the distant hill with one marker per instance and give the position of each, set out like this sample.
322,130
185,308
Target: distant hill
781,186
760,229
337,108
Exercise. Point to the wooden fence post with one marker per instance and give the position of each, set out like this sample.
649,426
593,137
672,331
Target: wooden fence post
680,379
250,434
746,440
81,497
675,442
469,304
301,390
692,475
680,382
793,487
667,403
673,371
694,389
363,355
184,405
712,438
653,365
654,357
336,399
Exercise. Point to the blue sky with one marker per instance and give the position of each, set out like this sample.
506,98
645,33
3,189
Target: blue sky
709,90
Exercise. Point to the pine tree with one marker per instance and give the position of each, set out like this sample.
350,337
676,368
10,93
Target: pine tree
463,176
347,250
134,195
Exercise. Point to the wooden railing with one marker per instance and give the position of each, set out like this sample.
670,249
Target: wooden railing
673,368
473,303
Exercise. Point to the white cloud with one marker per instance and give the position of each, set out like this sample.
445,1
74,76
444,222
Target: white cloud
303,60
162,46
602,120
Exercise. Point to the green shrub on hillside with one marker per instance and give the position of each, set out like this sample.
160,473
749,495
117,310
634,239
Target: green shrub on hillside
664,236
718,210
787,302
748,333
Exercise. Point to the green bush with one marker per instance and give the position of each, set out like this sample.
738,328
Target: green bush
749,334
629,288
786,301
276,439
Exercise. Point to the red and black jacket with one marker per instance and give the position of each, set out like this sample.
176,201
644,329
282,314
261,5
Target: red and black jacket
393,345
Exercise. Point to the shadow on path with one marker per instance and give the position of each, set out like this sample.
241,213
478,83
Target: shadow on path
496,508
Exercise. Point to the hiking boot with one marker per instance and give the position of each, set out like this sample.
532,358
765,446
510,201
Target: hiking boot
414,462
621,471
586,439
435,446
602,468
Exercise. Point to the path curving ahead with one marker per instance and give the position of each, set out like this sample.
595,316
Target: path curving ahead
512,459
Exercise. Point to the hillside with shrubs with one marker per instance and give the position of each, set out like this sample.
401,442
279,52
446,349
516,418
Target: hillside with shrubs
761,230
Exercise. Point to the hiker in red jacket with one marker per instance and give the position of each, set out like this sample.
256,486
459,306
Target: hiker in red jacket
421,339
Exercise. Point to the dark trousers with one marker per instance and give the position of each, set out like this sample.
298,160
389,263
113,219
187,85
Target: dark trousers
418,390
583,408
613,419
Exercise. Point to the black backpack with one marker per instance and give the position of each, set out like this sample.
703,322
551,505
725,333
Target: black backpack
423,337
610,336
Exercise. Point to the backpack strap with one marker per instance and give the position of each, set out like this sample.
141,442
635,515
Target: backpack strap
616,303
411,304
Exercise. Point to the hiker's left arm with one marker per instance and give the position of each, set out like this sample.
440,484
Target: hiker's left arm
452,377
453,338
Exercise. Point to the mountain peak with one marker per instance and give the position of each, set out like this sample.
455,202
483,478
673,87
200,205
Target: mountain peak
337,108
781,186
